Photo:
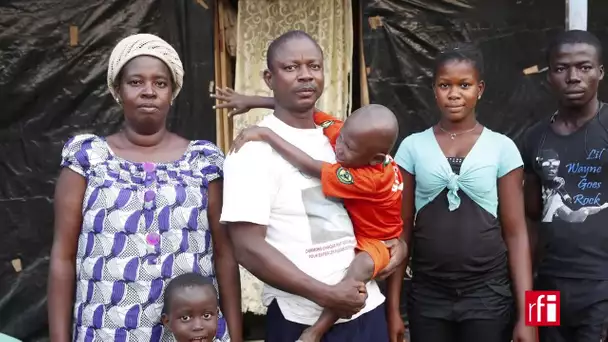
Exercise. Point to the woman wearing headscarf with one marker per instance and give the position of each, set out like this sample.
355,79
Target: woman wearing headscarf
134,210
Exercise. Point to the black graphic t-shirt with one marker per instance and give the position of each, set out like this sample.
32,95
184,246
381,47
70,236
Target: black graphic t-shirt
573,170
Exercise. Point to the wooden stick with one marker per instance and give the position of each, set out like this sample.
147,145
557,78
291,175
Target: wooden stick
224,78
364,91
73,35
230,83
217,67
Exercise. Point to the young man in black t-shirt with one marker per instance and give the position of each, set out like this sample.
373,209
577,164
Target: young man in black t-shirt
566,189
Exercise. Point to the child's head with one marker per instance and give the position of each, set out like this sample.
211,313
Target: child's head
458,81
367,136
191,308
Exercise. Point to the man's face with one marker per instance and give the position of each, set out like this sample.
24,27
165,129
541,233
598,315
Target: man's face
550,168
574,73
296,74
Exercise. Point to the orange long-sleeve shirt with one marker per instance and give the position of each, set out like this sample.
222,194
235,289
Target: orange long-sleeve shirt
372,194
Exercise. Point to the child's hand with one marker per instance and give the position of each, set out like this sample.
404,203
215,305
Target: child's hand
238,103
253,133
398,250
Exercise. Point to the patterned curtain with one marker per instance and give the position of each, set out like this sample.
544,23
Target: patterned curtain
261,21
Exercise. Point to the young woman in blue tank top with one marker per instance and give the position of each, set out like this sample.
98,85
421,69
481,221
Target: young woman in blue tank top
464,217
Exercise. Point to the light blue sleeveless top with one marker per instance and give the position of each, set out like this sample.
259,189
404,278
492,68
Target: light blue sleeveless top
493,156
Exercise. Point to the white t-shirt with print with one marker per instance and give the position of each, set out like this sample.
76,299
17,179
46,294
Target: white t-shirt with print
312,231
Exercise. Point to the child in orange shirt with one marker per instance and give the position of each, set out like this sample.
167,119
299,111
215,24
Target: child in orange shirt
364,176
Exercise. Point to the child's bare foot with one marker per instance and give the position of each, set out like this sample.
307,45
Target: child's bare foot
310,335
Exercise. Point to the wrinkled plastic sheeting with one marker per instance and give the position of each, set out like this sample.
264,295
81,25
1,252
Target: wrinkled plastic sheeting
402,37
52,86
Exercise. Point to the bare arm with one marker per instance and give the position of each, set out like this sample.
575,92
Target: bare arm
394,283
238,103
241,104
596,209
296,157
579,215
293,155
512,218
273,268
260,102
570,215
69,194
226,267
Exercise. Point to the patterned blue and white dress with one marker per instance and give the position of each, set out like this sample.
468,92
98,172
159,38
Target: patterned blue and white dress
143,224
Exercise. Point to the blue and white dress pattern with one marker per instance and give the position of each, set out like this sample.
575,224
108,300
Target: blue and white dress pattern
143,224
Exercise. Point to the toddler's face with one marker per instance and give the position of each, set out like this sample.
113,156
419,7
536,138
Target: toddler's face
193,314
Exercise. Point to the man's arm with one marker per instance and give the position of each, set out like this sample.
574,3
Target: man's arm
569,215
271,266
596,209
579,215
249,188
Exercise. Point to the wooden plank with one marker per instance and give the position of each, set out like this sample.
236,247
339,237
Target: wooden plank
363,70
73,35
224,60
217,67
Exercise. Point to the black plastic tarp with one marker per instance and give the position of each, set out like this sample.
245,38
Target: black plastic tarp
49,91
402,37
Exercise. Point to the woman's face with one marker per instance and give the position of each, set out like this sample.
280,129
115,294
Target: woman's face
457,89
145,91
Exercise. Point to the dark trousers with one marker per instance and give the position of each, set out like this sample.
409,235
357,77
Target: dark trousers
583,309
442,313
368,327
442,330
